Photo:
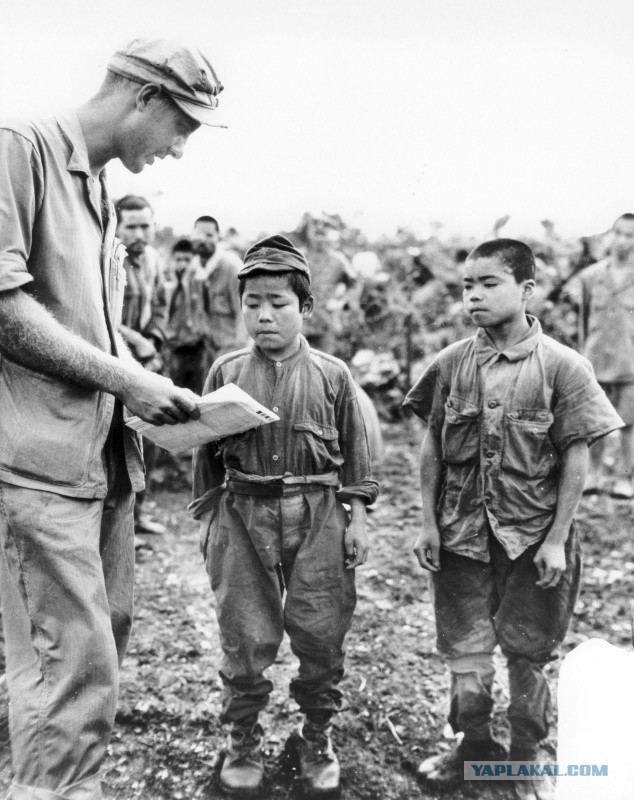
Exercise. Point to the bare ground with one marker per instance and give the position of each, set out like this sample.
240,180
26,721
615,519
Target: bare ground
167,736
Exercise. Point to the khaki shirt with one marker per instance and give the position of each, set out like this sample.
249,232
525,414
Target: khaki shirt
57,243
504,419
606,330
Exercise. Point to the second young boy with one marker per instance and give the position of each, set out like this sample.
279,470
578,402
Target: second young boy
510,415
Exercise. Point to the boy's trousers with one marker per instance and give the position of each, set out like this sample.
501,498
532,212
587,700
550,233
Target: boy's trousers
478,606
66,575
277,564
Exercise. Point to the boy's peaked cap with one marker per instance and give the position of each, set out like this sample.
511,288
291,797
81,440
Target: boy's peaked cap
274,254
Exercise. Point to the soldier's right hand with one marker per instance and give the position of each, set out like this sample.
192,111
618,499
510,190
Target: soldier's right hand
427,549
155,399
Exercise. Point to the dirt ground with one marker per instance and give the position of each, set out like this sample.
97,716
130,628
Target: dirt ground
167,736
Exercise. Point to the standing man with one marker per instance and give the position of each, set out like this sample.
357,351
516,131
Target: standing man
184,338
144,317
68,465
332,276
605,295
215,293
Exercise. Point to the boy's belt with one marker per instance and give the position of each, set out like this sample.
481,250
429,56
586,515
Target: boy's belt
278,489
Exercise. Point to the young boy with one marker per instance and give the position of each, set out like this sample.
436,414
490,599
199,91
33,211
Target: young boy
510,415
279,547
605,295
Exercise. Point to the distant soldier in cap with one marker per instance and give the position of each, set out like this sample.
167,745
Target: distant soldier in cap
68,465
280,548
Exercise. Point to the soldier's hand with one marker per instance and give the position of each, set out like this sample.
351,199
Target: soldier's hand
155,399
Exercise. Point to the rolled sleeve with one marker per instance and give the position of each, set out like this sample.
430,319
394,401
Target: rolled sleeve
356,479
582,409
20,197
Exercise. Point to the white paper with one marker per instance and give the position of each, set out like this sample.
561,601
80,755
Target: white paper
225,412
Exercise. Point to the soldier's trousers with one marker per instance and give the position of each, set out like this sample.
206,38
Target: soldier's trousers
277,564
66,576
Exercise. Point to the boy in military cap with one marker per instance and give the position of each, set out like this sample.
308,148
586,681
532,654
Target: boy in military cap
280,547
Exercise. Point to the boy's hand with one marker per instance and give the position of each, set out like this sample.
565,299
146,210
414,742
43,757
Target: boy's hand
427,549
550,561
356,543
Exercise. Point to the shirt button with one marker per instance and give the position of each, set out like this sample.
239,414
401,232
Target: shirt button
275,458
275,408
320,431
278,363
490,453
493,404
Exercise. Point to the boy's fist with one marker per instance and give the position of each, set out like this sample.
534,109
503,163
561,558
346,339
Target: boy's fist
427,549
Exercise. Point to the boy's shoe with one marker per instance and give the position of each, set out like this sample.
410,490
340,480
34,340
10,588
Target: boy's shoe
447,769
318,764
242,771
532,789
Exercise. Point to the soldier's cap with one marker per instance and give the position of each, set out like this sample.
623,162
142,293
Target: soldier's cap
183,72
275,254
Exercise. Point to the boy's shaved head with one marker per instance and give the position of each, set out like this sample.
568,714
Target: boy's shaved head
512,254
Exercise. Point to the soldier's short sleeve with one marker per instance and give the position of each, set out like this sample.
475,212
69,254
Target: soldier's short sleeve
20,197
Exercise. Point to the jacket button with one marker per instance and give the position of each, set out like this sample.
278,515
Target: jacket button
490,453
275,458
493,404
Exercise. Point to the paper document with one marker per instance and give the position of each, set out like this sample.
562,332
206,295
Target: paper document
225,412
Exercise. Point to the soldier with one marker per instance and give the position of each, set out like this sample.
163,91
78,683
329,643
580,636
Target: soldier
144,315
215,298
69,467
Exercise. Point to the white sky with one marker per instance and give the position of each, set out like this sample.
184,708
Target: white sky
390,112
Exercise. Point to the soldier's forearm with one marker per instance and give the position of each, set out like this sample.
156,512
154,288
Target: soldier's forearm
32,337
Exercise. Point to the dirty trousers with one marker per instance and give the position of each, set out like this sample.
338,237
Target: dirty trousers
66,576
478,606
277,564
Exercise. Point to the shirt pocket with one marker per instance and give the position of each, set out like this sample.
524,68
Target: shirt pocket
316,444
528,449
460,432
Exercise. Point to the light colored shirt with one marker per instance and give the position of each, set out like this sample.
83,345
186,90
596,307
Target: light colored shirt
606,320
57,242
216,300
504,419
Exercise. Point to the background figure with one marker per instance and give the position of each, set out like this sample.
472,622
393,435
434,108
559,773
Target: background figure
144,316
215,299
604,293
184,344
332,278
